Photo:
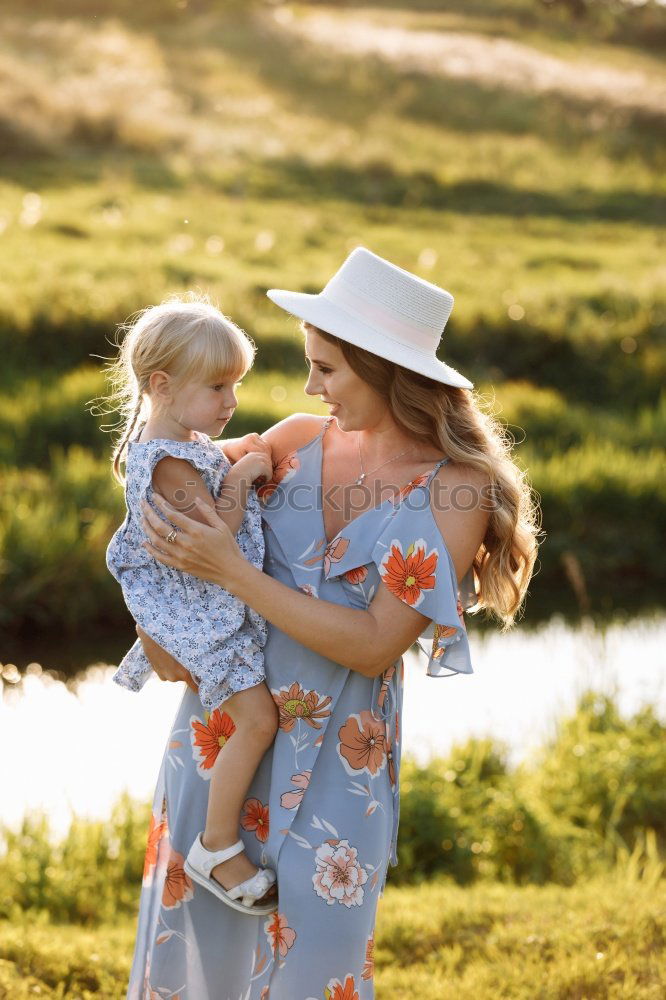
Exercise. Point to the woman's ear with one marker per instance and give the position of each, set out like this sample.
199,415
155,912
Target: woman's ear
160,385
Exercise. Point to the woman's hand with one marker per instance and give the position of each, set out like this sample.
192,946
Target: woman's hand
163,663
208,551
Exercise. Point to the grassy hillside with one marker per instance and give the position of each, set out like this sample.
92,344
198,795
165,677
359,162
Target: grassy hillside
221,146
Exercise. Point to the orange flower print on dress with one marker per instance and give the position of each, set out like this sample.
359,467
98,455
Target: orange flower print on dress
209,737
441,632
335,550
280,936
341,991
357,575
339,877
156,830
255,819
285,469
294,703
178,886
292,799
408,574
362,744
369,967
461,613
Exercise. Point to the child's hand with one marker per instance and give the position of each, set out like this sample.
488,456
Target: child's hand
255,466
236,448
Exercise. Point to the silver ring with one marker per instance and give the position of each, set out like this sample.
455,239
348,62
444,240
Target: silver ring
171,537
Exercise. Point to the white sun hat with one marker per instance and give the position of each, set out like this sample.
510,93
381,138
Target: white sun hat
382,308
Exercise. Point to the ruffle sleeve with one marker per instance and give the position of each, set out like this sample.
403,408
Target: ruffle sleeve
414,563
209,461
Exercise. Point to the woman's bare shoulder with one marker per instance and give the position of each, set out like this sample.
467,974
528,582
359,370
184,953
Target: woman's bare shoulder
293,432
460,502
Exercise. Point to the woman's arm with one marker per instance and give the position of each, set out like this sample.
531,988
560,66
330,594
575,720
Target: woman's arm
365,641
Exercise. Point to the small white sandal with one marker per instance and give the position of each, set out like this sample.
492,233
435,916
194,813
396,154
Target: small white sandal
200,863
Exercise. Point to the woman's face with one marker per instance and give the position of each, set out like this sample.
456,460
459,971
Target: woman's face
354,404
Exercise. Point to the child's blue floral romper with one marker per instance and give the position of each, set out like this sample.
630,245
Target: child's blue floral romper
213,634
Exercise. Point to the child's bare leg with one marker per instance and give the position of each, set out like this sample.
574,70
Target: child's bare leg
255,718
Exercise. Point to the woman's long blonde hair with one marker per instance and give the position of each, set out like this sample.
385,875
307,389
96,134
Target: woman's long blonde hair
453,421
185,336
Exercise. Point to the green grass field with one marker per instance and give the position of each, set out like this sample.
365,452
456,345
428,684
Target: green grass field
593,941
220,146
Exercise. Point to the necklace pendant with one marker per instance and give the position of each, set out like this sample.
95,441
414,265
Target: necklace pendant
360,479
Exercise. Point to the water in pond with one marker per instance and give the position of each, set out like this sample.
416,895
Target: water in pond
74,748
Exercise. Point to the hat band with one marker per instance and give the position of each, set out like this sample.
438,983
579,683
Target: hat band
372,313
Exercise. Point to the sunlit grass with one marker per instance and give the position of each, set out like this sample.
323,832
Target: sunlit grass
65,962
65,285
595,940
603,941
248,158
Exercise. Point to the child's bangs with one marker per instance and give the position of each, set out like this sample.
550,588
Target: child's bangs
220,356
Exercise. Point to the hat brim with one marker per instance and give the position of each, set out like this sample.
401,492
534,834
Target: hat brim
321,312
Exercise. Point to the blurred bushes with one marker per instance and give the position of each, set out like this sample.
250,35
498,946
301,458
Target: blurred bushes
465,816
54,529
581,805
570,344
604,514
92,875
633,22
595,471
590,802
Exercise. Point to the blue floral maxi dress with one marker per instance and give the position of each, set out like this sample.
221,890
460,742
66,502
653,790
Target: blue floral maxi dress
323,807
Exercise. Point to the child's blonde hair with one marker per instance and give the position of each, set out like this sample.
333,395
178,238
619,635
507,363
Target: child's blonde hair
185,336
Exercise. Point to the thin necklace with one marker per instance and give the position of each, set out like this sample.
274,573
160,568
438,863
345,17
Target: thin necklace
370,471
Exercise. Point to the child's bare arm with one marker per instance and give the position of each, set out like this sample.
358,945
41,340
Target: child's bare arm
232,501
180,483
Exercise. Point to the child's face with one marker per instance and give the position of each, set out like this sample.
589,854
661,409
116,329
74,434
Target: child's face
204,406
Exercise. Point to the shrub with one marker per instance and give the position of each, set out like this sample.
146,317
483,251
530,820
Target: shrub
579,806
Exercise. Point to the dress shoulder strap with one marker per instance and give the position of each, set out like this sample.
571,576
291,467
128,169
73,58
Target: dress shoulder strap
324,427
435,469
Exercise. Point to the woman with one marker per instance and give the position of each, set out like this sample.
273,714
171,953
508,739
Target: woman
375,517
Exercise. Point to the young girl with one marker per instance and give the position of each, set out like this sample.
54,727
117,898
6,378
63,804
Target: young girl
178,366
